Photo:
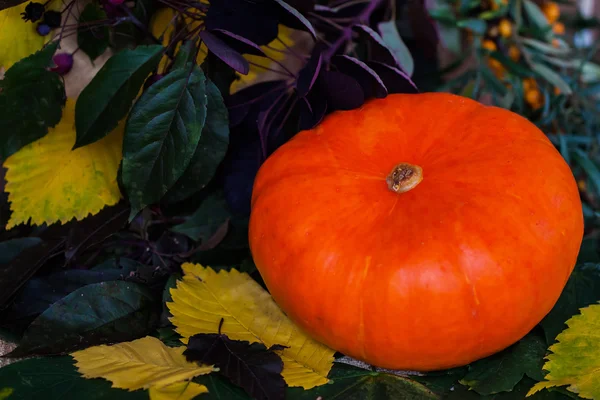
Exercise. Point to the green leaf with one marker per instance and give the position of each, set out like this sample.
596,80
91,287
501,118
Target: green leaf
162,134
502,371
9,249
351,383
588,166
536,15
544,47
391,37
184,55
442,382
5,393
575,359
108,97
94,314
206,220
56,378
460,392
552,77
581,290
492,81
219,388
510,65
210,151
476,25
31,101
93,40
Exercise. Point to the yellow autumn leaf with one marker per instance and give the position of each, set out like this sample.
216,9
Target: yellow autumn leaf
185,390
141,364
18,37
48,182
276,50
204,296
575,358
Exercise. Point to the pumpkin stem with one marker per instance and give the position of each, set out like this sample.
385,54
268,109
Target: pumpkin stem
404,177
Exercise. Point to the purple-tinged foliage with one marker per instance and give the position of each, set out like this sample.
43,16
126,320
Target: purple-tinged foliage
222,50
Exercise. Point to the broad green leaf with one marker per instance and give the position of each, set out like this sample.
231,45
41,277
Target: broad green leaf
204,297
442,382
575,359
206,220
502,371
56,378
552,77
582,289
93,40
140,364
351,383
75,183
107,99
97,313
19,38
219,388
11,248
31,101
460,392
177,391
210,151
161,136
391,37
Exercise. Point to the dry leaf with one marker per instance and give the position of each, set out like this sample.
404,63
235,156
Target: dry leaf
49,182
18,37
203,297
141,364
185,390
575,359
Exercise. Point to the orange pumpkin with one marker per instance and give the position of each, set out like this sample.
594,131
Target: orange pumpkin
417,232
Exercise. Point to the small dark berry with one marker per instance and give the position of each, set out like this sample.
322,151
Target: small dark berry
116,2
152,79
64,63
43,29
52,19
33,12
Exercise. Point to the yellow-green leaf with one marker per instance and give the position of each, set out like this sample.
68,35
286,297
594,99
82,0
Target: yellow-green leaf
5,393
575,359
19,38
141,364
204,296
185,390
48,182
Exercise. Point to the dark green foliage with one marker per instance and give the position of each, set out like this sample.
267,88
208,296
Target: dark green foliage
31,101
93,40
106,100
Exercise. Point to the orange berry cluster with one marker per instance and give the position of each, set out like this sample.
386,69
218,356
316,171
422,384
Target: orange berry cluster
503,30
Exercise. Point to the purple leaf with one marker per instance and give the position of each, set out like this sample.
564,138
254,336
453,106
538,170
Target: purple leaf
379,50
395,80
311,110
240,103
342,91
298,21
239,43
371,83
229,56
309,73
347,9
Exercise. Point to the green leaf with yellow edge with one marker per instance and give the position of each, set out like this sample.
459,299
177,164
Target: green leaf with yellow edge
5,393
19,38
48,182
140,364
185,390
204,296
575,359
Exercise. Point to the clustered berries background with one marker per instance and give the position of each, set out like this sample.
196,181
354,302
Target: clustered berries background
131,134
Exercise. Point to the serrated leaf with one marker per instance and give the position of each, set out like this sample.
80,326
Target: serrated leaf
107,99
31,101
575,359
75,183
161,136
210,151
19,38
203,297
351,383
581,290
177,391
140,364
9,249
97,313
391,37
206,220
56,378
552,77
252,367
93,40
502,371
